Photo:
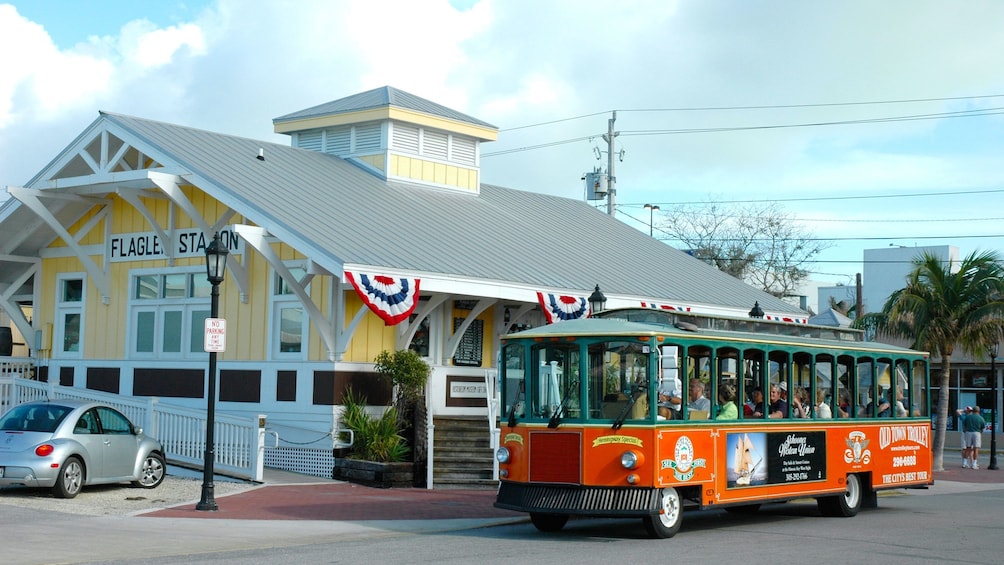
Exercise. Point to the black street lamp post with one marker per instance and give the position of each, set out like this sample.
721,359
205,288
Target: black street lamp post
993,411
216,264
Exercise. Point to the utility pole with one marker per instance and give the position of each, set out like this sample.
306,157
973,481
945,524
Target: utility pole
611,179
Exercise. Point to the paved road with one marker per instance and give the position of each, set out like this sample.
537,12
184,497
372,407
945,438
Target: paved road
291,514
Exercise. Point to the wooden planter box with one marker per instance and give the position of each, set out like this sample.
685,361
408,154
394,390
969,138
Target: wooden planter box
371,473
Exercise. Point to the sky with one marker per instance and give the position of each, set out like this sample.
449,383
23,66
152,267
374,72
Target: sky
869,124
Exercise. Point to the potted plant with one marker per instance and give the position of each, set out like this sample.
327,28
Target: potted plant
382,445
378,456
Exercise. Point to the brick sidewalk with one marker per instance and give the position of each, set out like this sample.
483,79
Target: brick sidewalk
346,502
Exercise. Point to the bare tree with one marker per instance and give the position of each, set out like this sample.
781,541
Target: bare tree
759,244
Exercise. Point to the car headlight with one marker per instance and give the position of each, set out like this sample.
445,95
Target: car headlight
502,454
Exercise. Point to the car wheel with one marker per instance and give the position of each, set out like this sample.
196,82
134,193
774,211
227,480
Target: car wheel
667,522
843,505
70,479
153,471
548,522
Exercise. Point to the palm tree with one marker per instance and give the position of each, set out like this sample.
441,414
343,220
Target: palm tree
940,310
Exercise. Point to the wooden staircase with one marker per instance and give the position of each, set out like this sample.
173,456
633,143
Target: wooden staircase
462,456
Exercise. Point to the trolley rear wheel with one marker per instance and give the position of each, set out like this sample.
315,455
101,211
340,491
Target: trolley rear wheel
843,505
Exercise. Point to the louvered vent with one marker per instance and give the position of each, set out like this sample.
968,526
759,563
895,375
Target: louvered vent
435,144
310,140
338,141
405,138
368,137
464,150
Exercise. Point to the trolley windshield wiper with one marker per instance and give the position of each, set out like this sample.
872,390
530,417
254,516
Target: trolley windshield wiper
515,403
555,420
635,389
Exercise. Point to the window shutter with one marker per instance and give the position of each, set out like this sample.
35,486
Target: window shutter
368,137
434,144
310,140
464,150
405,138
339,141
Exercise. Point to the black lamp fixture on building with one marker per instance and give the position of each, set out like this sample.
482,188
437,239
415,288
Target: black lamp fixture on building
597,301
756,312
216,265
993,350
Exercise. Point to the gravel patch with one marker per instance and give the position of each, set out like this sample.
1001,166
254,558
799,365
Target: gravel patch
123,499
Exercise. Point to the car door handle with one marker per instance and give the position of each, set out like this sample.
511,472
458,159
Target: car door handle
108,442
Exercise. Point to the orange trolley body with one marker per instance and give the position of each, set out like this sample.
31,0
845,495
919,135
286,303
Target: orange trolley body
646,466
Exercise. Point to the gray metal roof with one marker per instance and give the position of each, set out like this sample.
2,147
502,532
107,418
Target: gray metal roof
337,213
831,317
379,98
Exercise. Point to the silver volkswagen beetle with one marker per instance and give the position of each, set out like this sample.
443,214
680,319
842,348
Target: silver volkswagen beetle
67,444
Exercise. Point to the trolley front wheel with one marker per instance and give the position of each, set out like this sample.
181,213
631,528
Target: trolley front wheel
667,522
548,522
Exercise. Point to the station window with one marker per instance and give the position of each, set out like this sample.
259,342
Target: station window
289,322
69,315
168,312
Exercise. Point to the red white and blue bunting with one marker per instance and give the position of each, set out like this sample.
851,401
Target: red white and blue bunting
786,319
560,307
670,307
393,299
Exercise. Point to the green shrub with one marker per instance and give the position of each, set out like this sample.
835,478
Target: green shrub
376,438
408,373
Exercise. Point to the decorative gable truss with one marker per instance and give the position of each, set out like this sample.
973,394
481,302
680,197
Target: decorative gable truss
104,164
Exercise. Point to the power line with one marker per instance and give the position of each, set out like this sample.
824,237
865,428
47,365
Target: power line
762,107
827,198
815,105
639,133
916,117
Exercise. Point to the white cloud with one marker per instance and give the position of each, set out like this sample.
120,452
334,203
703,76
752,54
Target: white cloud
518,62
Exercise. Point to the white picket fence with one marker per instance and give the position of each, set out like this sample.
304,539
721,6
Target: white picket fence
239,442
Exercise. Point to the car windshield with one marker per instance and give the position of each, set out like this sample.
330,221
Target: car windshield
34,418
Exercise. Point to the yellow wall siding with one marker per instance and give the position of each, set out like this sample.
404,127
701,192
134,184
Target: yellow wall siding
378,162
371,336
433,172
388,113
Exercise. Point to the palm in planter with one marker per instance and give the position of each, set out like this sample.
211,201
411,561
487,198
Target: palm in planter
380,449
376,438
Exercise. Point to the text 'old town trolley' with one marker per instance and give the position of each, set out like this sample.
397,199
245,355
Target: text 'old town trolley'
640,412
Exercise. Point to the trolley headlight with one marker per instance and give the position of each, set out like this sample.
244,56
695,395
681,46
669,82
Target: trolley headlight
631,460
502,454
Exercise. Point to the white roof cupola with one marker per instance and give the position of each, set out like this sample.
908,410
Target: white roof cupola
395,135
